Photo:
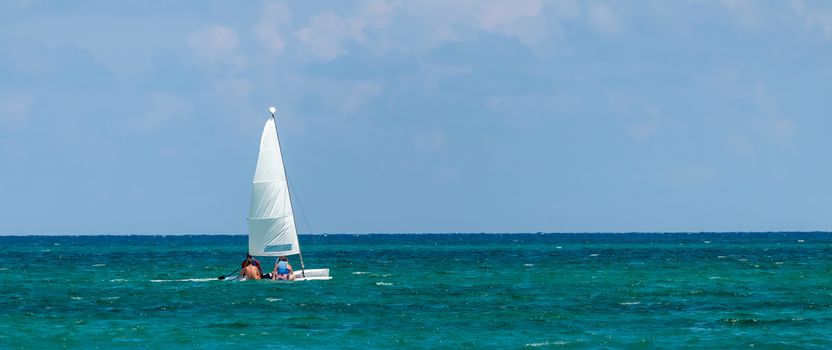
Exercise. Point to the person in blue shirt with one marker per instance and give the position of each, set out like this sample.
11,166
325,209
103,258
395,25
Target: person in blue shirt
283,270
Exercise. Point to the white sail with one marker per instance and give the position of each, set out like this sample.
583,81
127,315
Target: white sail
271,224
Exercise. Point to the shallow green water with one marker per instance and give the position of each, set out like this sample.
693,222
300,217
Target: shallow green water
416,291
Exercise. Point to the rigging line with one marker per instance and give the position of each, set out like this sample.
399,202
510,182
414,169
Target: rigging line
302,212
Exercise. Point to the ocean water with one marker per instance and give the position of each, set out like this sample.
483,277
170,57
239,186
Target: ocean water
565,291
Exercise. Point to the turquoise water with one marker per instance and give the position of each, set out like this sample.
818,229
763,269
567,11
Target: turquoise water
572,291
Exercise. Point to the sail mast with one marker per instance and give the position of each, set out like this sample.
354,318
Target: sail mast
273,110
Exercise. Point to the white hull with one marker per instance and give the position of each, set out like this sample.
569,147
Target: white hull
312,275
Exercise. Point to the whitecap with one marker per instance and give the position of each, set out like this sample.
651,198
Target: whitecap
631,303
45,250
110,298
528,265
715,278
800,241
273,299
118,280
359,273
707,242
546,343
778,263
593,254
76,298
383,284
56,244
559,247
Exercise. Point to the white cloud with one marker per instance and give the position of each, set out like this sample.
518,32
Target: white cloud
496,14
739,144
359,95
163,110
746,113
773,122
217,44
121,44
647,127
431,141
275,16
430,75
15,109
514,19
325,35
642,118
232,88
783,128
373,15
745,11
603,18
815,17
523,20
420,26
328,33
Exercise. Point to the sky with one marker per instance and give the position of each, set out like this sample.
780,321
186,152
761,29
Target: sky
141,117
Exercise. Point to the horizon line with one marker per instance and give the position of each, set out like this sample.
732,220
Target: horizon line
401,233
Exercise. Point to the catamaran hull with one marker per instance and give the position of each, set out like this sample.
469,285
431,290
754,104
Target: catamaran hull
312,275
306,275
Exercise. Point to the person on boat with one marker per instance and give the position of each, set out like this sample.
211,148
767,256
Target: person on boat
251,268
283,270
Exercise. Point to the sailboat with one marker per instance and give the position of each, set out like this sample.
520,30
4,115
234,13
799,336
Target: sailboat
271,222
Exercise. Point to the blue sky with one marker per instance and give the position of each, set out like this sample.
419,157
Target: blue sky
418,116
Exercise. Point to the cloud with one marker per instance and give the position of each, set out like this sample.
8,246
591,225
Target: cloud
232,88
359,95
431,141
15,109
603,18
774,123
815,17
325,35
275,16
745,11
120,44
746,112
163,110
643,118
513,19
373,15
496,14
328,33
648,127
413,27
524,20
217,44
